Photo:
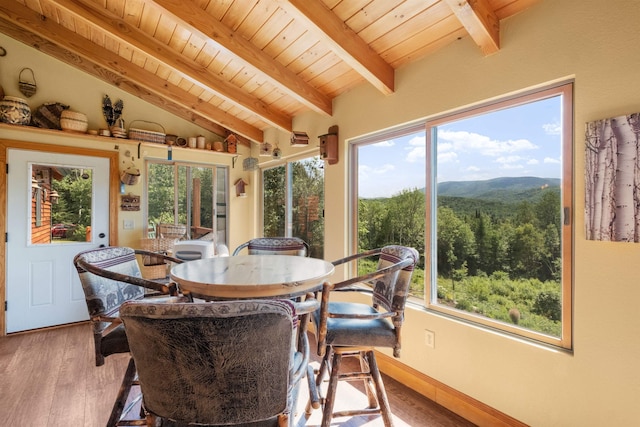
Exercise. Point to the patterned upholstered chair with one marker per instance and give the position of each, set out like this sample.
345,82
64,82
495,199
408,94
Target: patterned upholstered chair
355,329
275,246
231,363
109,277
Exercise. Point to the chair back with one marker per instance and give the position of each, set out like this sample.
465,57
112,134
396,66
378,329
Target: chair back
391,291
213,363
275,246
104,295
111,276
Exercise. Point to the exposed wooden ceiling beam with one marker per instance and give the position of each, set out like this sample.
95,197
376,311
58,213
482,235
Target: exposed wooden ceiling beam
480,21
53,39
344,42
119,29
192,16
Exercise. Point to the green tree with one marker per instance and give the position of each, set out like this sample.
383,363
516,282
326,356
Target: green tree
456,242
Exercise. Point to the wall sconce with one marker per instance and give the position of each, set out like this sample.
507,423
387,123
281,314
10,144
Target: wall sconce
34,188
54,197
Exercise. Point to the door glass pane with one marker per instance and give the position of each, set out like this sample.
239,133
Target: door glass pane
186,194
60,204
160,192
308,204
275,187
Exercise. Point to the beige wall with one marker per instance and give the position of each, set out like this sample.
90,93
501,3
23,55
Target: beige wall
596,42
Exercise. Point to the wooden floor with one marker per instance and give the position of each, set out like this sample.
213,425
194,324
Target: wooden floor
49,378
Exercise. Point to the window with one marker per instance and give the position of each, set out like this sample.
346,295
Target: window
390,184
496,225
194,195
293,202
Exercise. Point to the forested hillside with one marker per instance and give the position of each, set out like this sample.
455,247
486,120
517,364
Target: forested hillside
498,245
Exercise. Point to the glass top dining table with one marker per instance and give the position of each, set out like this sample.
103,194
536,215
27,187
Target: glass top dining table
252,276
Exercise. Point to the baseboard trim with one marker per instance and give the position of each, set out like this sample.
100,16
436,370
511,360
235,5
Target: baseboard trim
459,403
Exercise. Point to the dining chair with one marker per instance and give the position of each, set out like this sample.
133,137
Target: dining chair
274,246
109,277
350,329
223,363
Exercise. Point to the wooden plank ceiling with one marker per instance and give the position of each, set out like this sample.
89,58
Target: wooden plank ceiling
243,66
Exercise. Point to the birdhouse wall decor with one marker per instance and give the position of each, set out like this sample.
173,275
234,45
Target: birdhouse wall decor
329,146
231,141
266,149
240,188
299,139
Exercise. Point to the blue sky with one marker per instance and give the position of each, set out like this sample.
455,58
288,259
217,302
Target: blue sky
520,141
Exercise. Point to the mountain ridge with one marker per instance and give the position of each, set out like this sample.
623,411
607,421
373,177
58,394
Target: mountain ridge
495,188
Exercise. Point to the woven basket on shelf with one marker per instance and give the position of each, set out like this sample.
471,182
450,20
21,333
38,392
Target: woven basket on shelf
73,121
147,135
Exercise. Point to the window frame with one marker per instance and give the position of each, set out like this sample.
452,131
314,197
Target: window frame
215,211
288,178
563,89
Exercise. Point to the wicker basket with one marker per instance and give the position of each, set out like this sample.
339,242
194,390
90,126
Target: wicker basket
147,135
171,231
161,246
73,121
154,271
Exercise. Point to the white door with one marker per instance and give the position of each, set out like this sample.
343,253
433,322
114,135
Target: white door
43,288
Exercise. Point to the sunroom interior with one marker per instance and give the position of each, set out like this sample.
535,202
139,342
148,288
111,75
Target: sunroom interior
489,375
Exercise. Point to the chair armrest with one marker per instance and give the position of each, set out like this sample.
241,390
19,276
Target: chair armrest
167,289
365,254
374,275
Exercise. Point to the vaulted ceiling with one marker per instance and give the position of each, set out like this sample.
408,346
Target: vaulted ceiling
243,66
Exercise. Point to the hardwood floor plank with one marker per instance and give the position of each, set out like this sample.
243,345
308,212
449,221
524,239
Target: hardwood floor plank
38,365
68,406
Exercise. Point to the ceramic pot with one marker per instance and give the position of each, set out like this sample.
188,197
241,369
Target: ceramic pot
15,111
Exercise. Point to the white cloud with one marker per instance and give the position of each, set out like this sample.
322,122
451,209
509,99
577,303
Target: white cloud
416,154
365,172
473,142
551,160
508,159
533,161
384,144
447,157
418,141
552,128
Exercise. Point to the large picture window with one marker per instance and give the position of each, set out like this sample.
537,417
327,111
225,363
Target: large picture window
495,223
193,195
